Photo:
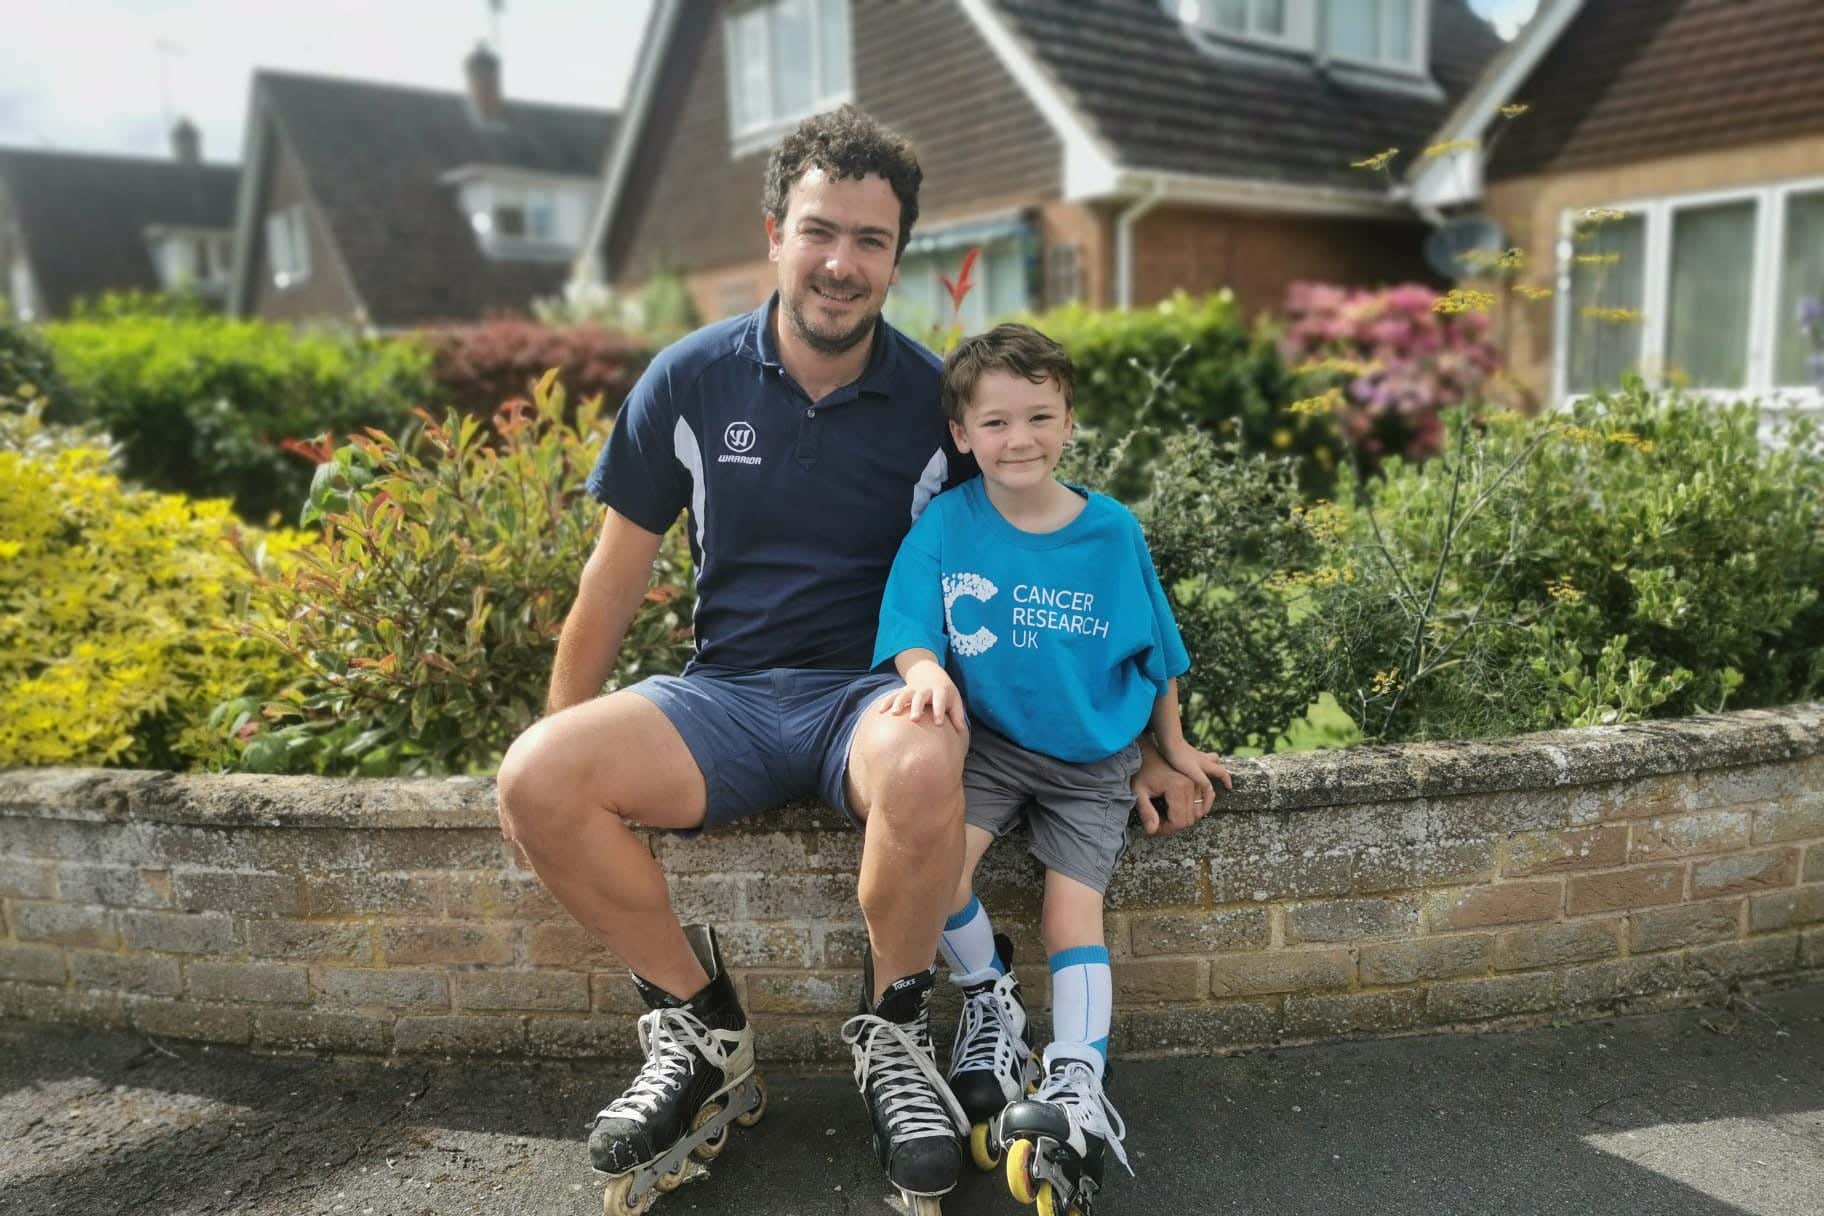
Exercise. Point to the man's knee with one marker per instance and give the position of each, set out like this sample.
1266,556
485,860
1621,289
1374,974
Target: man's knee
913,771
528,784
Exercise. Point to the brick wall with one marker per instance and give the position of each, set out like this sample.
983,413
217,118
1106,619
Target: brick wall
1372,891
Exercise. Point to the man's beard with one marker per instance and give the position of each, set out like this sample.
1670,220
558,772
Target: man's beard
825,343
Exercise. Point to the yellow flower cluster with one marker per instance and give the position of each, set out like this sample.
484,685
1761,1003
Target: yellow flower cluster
1377,162
1324,520
1614,316
1463,299
1628,439
1323,403
1562,588
1486,259
1598,259
1387,681
1532,291
1602,215
1325,576
1339,365
1516,110
1447,147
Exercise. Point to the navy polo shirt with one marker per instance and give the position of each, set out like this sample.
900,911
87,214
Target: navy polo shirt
795,508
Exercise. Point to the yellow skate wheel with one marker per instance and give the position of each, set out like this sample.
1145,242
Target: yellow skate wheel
672,1181
614,1199
1048,1200
1020,1181
753,1116
710,1149
982,1149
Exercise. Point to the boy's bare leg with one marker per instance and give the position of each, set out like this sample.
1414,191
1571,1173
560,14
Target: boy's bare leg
906,781
975,844
570,788
1072,916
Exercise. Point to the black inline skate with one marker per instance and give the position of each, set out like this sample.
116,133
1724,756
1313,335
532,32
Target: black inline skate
917,1124
991,1061
698,1078
1056,1140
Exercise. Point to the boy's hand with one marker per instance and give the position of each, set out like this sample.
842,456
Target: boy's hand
928,688
1183,777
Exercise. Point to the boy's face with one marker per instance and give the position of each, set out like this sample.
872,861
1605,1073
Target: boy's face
1016,429
837,252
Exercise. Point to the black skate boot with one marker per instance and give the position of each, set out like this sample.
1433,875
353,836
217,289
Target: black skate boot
698,1078
991,1059
917,1123
1056,1140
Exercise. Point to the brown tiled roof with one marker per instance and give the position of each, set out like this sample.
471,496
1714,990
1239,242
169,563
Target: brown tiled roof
1162,103
375,156
84,218
1631,80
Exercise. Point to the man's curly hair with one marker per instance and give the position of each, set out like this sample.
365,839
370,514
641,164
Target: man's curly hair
846,143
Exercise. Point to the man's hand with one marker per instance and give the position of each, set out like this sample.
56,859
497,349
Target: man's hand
928,687
1184,780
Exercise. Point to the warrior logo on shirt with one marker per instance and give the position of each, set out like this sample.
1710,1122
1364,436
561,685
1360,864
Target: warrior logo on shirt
739,436
975,587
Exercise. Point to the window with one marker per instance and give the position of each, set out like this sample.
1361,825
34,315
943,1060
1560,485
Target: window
24,303
1704,291
1003,287
288,247
1383,33
524,214
1387,35
786,59
1262,19
1063,275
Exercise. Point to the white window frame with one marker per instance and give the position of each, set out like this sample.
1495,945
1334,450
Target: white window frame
1419,39
291,266
1299,34
1659,213
755,134
1307,33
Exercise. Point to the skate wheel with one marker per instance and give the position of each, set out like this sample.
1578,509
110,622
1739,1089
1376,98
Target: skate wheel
672,1181
753,1116
711,1148
1048,1200
1019,1171
614,1199
982,1149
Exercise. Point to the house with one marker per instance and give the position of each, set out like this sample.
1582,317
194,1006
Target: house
396,207
74,225
1108,151
1668,183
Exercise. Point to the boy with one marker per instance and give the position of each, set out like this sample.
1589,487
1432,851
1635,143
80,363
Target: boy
1043,599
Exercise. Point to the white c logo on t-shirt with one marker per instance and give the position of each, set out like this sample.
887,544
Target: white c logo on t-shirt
975,587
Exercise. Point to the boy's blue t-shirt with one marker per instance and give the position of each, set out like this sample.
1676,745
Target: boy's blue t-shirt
1060,641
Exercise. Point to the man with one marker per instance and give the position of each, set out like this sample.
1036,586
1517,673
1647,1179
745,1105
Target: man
802,440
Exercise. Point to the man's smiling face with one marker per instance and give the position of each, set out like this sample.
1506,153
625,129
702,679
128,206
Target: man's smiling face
836,251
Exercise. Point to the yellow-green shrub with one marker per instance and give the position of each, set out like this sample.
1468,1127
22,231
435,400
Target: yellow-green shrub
111,601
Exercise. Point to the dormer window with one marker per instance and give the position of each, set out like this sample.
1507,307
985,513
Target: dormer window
520,215
524,213
1381,35
288,247
1269,21
787,59
1375,33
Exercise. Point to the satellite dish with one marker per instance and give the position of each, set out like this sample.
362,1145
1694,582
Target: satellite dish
1446,246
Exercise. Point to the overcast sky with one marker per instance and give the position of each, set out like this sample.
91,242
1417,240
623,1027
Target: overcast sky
89,75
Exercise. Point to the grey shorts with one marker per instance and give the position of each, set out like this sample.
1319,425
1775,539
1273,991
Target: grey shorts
1076,814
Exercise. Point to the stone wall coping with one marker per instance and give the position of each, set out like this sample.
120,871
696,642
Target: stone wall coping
1291,782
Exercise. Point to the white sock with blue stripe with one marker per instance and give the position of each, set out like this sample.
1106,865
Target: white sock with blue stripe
1082,1002
968,945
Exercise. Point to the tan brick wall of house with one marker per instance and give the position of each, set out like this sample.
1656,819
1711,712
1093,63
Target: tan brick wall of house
1258,256
328,291
1381,890
1529,209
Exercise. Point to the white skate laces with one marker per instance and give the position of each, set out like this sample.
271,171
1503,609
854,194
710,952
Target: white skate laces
988,1039
1072,1087
666,1039
914,1100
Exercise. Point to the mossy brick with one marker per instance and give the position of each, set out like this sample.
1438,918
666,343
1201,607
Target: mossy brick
1589,848
88,1008
446,943
146,975
1161,980
764,853
64,924
1814,863
1727,962
310,940
561,991
561,945
583,1038
1156,882
1557,945
1789,820
774,945
460,1035
798,897
184,1020
383,894
613,992
1280,971
1641,887
1502,903
803,992
292,850
1343,920
1200,932
498,896
713,899
797,1038
27,878
1389,963
1757,871
181,932
361,988
248,983
1315,1017
844,945
233,891
1811,951
320,1030
1221,1026
1497,815
1772,913
31,964
1477,1000
113,886
1685,925
1607,982
1666,836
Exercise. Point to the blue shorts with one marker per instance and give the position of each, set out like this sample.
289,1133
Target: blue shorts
766,738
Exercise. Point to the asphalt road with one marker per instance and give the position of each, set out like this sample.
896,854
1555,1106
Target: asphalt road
1698,1113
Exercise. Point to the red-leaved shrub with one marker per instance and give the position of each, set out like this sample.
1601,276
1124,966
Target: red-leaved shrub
480,367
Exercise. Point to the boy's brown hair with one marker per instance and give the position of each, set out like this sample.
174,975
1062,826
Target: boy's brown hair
1019,350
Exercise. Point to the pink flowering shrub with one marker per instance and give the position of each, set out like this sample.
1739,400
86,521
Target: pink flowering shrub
1395,360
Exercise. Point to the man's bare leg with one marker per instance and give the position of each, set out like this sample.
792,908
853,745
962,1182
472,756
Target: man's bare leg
569,789
906,781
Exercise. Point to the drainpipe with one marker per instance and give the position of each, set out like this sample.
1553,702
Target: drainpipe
1124,242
